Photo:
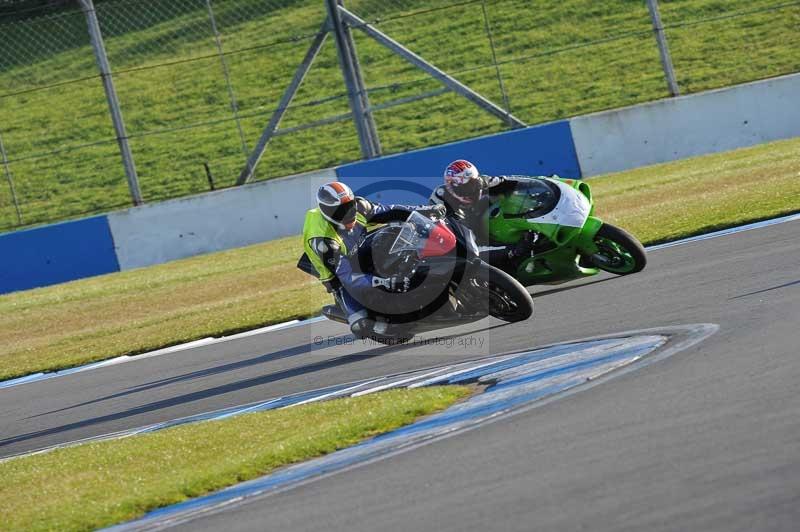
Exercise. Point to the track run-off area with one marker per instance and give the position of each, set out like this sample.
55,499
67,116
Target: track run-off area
704,439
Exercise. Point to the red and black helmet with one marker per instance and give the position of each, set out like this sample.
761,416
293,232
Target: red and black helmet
463,182
337,203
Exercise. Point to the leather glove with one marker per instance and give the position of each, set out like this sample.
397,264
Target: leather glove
433,211
492,181
439,210
395,283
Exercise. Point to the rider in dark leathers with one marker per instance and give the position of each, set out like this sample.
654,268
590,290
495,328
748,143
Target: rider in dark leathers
466,194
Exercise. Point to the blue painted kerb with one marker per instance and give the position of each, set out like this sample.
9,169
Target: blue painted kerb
56,253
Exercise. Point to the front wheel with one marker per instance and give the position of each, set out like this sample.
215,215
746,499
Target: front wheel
508,300
618,251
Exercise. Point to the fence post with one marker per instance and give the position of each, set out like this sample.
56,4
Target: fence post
10,180
663,49
356,91
506,103
227,74
111,95
361,88
288,95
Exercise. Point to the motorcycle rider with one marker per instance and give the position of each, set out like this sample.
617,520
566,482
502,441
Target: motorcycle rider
332,233
466,194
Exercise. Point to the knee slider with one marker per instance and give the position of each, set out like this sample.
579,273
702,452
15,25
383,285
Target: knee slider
361,327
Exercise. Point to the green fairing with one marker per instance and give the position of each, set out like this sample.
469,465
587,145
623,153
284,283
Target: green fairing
563,253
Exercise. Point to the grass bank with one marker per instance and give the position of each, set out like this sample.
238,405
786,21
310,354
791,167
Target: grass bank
135,311
555,60
94,485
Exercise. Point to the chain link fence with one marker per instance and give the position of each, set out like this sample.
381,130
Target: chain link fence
197,82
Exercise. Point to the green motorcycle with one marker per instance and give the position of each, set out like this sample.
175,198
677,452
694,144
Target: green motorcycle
570,242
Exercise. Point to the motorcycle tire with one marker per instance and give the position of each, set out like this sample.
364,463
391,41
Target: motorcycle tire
620,252
508,299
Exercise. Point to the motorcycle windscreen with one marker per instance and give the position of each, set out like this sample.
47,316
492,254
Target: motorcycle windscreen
531,198
425,237
409,239
419,238
572,209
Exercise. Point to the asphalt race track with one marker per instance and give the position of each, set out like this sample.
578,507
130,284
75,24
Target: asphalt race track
708,439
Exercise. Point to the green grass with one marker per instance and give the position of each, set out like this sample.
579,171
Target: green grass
559,78
211,295
139,310
98,484
684,198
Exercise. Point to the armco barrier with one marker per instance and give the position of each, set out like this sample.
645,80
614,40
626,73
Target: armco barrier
152,234
677,128
410,177
56,253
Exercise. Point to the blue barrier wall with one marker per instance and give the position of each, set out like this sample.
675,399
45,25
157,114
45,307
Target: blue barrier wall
56,253
410,177
649,133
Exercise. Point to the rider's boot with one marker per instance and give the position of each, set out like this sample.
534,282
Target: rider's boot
337,311
525,247
364,327
509,258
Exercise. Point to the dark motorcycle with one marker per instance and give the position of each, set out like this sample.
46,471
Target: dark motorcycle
450,284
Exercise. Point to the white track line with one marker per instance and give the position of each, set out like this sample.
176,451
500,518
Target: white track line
299,323
334,393
724,232
36,377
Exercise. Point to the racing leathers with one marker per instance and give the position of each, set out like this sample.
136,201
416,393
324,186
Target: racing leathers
505,257
334,253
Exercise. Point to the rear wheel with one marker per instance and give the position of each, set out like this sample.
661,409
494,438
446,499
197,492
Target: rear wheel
508,300
618,251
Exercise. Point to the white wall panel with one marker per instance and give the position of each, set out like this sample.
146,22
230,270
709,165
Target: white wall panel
152,234
687,126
